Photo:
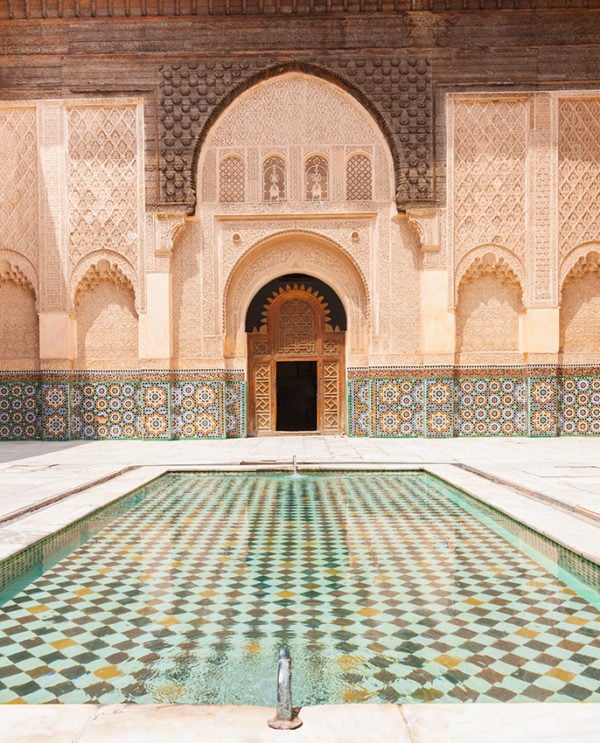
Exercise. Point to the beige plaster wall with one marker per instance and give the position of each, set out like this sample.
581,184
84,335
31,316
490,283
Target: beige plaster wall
19,332
107,328
187,298
580,315
487,317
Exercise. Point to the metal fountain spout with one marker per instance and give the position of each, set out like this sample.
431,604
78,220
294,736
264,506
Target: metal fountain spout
284,717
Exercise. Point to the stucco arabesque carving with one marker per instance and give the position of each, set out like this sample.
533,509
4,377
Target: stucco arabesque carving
167,225
311,256
492,260
18,270
352,236
103,265
398,90
277,256
426,224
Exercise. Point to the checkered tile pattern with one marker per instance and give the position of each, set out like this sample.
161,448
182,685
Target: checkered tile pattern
383,587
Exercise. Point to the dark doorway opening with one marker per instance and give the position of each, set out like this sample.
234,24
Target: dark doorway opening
296,395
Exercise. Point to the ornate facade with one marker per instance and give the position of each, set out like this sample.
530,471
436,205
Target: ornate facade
212,209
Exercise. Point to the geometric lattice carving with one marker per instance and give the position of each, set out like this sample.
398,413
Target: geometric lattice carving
358,178
274,179
316,176
262,391
579,172
231,179
331,394
296,328
19,182
490,142
103,181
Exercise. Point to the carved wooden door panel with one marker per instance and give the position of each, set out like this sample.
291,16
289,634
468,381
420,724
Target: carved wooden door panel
295,329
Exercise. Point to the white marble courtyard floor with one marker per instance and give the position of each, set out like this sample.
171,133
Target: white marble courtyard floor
550,484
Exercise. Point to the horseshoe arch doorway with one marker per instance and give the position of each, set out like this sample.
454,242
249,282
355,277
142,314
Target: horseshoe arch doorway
295,328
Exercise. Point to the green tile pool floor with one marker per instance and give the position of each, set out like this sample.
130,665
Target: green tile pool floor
383,587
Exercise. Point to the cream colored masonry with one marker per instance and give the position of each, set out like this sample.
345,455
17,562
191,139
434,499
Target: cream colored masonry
296,177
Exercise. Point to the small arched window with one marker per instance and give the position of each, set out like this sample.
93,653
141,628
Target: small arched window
316,178
232,179
274,186
358,178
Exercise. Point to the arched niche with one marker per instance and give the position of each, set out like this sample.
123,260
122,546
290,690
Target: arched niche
580,306
300,253
107,320
489,310
292,116
19,324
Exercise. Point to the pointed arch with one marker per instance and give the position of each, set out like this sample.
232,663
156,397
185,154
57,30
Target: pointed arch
295,252
107,320
580,304
278,70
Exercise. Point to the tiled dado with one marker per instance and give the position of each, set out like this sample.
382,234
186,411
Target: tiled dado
474,406
91,410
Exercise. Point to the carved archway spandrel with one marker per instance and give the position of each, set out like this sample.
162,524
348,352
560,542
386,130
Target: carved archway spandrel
407,124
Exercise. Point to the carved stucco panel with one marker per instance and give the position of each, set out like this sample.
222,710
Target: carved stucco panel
105,171
280,255
295,108
579,172
488,182
490,148
353,235
399,90
19,181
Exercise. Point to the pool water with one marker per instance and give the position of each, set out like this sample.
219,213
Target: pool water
384,586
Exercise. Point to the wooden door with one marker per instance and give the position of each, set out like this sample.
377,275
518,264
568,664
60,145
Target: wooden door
295,328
